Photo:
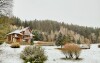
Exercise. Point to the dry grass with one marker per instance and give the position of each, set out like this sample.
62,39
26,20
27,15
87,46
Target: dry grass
15,45
24,43
41,43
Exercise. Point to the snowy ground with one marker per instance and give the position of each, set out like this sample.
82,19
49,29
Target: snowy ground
87,55
11,55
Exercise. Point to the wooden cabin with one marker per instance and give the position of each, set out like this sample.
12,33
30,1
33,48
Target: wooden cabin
21,35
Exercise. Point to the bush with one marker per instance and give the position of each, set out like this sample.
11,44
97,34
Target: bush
15,45
1,41
76,51
99,46
71,50
33,54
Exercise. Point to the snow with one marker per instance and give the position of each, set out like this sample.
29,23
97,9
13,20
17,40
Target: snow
12,55
87,55
84,46
16,31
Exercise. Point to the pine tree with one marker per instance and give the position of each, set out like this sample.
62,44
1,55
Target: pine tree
61,40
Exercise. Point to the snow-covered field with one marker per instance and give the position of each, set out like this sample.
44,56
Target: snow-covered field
87,55
11,55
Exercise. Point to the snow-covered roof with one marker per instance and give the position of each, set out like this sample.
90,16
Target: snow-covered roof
24,29
16,32
27,32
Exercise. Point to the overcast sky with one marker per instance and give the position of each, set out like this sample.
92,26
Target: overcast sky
81,12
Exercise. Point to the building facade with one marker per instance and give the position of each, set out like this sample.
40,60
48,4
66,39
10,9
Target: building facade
21,35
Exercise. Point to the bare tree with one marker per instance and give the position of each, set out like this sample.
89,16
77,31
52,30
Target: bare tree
6,7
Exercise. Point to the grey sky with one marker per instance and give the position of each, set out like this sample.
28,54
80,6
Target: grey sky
81,12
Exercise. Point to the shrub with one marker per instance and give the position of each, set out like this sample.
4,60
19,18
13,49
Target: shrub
33,54
15,45
76,51
99,46
1,41
71,50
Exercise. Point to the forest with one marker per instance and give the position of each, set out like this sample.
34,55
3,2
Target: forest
50,29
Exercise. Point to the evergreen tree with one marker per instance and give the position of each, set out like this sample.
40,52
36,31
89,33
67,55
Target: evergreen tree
78,42
60,40
38,36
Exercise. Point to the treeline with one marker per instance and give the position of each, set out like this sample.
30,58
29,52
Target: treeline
48,30
41,25
93,34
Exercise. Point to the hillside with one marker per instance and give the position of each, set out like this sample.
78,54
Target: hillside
93,34
4,27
